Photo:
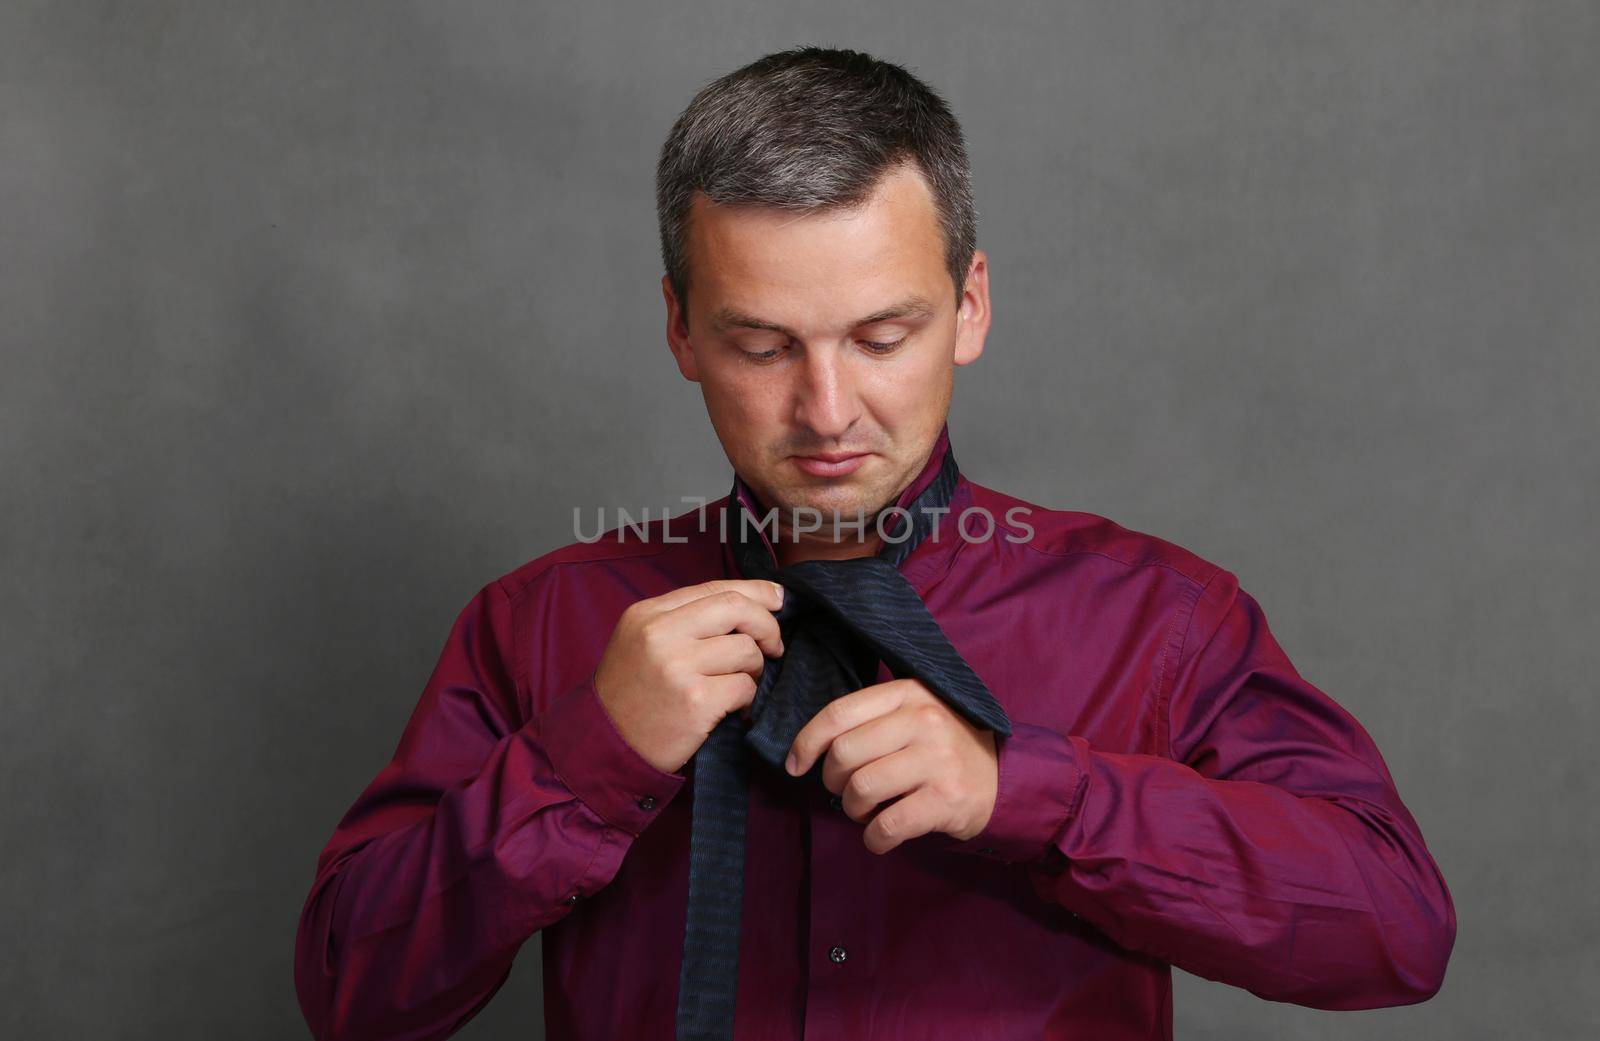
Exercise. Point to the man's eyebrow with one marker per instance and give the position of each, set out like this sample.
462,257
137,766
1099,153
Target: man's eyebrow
732,318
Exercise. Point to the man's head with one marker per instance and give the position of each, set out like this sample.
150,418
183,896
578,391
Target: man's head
822,278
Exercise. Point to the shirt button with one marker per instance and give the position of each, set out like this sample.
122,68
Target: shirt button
837,803
647,803
572,899
987,851
836,953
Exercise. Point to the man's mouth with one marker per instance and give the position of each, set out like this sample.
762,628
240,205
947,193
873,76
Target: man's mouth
830,464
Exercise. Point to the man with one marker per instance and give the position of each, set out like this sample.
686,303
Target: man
1171,791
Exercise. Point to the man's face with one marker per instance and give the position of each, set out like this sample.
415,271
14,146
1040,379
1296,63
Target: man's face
830,333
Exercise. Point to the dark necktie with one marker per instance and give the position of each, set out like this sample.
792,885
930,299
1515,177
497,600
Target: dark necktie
839,619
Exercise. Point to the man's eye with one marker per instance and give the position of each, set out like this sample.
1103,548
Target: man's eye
872,347
882,348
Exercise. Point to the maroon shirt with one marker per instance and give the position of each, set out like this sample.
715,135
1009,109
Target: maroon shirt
1174,792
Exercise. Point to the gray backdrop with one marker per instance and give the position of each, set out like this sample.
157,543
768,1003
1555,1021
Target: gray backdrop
316,317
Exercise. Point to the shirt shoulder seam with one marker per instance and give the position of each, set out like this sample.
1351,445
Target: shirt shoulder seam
1193,580
514,587
1184,611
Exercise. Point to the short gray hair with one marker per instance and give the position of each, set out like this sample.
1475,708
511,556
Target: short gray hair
809,129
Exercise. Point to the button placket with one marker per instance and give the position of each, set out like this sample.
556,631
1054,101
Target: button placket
840,959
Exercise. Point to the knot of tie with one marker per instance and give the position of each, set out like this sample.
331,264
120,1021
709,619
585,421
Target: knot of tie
839,619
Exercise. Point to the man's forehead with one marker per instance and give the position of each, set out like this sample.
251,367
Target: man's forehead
759,267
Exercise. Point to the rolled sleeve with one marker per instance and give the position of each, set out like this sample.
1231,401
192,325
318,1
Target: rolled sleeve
597,764
1041,778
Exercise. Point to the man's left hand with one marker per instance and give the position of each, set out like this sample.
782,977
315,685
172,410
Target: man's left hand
899,739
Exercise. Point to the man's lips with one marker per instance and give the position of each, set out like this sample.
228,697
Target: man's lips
831,464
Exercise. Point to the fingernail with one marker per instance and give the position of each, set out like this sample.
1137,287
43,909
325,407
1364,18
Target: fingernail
778,590
789,764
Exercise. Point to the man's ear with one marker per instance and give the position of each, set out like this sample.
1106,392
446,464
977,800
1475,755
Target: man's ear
972,318
678,333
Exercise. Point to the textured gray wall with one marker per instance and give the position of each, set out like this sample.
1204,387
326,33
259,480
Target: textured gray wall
316,317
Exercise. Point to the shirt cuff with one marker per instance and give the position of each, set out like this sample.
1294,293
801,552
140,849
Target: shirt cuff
1042,775
597,764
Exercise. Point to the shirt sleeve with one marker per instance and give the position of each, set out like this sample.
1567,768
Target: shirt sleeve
484,828
1268,850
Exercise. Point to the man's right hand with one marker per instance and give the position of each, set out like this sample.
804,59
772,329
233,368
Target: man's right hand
676,664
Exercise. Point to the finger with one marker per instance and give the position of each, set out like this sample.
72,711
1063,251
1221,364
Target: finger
841,714
874,739
882,779
757,589
731,691
729,611
733,652
917,814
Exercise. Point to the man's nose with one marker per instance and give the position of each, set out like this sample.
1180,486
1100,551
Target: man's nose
826,399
